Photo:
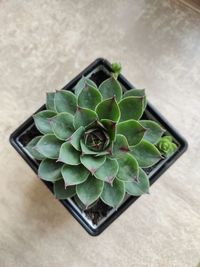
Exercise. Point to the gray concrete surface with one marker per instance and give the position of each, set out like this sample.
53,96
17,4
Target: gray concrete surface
43,45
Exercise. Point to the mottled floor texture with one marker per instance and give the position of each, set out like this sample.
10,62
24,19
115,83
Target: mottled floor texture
43,45
194,4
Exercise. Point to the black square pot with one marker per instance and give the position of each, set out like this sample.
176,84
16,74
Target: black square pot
98,71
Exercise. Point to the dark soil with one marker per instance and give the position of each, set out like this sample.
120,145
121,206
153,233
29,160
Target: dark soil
97,212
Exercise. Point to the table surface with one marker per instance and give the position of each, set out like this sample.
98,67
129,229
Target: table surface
43,45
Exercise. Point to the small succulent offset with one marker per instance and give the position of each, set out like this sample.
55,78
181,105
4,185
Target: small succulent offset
166,146
94,144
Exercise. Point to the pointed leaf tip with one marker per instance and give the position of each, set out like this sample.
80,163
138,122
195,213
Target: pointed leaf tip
90,190
153,131
111,88
92,163
110,180
84,117
89,97
41,120
108,109
113,195
146,154
120,146
82,83
137,93
62,125
140,187
31,147
78,109
131,108
69,139
49,170
108,170
128,168
65,101
49,146
92,171
110,127
74,175
132,130
69,155
75,138
61,192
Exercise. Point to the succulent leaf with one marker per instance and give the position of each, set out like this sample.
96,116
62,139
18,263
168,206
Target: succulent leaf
172,150
50,170
128,168
73,175
132,130
95,124
167,138
153,132
82,83
42,122
146,154
92,163
137,188
85,150
137,92
50,101
83,117
113,194
62,125
111,88
69,155
31,147
108,170
80,204
134,92
131,107
75,138
111,128
108,151
65,101
108,109
89,97
61,192
49,146
90,190
120,146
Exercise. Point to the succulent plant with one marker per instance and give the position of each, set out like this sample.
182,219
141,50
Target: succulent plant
94,144
166,146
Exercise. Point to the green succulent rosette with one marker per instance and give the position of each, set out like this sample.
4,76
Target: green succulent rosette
94,144
166,146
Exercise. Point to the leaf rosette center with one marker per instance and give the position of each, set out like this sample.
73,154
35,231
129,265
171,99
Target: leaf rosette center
97,139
